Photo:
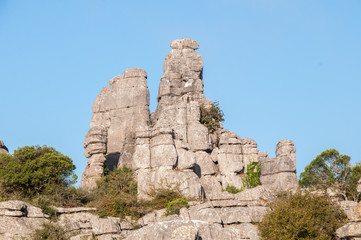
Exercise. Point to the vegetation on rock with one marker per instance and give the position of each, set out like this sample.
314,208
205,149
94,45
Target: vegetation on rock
41,176
233,189
332,170
302,216
174,206
50,231
212,116
250,180
253,174
116,195
35,169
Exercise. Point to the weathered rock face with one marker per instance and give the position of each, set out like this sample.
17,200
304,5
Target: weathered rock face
19,220
3,148
279,173
171,147
352,230
120,110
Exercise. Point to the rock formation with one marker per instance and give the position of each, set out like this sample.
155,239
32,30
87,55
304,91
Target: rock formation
3,148
352,230
171,147
230,219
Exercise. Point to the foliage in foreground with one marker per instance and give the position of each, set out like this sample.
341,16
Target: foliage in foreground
50,231
173,207
116,195
212,116
41,176
302,216
332,170
35,169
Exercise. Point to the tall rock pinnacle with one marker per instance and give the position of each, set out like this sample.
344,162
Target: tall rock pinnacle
171,147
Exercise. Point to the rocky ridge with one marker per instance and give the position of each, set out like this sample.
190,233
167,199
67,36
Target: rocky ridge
171,146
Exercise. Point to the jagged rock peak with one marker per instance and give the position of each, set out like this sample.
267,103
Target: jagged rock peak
120,109
3,148
184,44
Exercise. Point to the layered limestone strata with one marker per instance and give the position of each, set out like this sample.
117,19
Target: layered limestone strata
119,110
171,147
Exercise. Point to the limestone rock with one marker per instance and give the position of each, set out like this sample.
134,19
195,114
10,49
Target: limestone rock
284,181
119,111
349,231
3,148
186,181
279,173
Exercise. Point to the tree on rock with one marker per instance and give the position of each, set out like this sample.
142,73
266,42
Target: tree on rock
332,170
34,169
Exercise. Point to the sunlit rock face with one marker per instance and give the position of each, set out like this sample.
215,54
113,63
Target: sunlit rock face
3,148
171,147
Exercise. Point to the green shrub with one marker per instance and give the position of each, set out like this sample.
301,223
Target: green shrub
50,231
333,170
211,117
116,194
174,206
301,216
162,196
32,170
250,180
253,174
233,189
44,205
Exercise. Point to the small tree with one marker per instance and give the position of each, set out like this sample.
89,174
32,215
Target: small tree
34,169
332,170
302,216
212,116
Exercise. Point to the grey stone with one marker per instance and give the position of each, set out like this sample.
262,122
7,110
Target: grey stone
242,214
258,196
186,159
352,229
186,181
244,231
278,165
284,181
205,163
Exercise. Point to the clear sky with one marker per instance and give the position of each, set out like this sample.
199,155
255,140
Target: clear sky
279,69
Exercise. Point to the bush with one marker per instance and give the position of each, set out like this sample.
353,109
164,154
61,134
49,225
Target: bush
174,206
233,189
211,117
302,216
116,195
50,231
33,170
250,180
253,175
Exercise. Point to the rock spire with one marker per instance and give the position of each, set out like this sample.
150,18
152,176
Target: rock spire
171,147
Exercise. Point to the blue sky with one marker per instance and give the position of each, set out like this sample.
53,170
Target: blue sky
279,69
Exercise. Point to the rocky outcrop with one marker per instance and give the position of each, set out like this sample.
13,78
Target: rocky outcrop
279,173
352,230
19,220
171,147
119,110
3,148
216,219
